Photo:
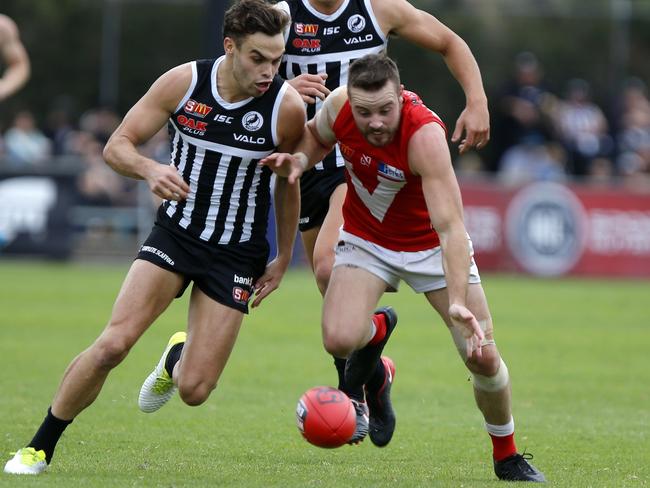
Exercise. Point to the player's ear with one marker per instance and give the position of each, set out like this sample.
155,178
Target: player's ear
228,45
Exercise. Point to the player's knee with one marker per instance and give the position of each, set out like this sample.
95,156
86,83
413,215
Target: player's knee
108,352
337,345
195,393
487,364
491,378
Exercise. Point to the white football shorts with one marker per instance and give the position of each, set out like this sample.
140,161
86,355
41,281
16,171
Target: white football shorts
421,270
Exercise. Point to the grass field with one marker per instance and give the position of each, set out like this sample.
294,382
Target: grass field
578,353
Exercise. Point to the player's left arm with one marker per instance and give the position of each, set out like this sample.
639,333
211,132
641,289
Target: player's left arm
286,197
14,57
403,19
430,159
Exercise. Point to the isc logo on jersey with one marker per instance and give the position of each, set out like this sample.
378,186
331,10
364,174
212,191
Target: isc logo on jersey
198,109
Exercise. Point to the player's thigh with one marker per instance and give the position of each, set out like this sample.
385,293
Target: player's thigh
211,335
146,292
329,230
351,297
308,238
476,302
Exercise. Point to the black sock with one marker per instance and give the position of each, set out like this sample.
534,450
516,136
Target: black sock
354,394
48,434
173,357
377,379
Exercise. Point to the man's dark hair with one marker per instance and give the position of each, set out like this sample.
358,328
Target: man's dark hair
247,17
372,72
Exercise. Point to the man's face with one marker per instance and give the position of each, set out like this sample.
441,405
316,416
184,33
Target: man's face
377,113
255,61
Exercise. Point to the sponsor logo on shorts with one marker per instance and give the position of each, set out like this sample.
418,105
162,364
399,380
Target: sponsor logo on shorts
343,246
304,220
240,295
158,253
240,280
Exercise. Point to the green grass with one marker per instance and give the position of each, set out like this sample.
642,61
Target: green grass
577,353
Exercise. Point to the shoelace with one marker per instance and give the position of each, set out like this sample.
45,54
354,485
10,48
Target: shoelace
31,454
162,385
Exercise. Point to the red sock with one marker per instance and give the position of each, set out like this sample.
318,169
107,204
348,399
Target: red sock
379,320
503,447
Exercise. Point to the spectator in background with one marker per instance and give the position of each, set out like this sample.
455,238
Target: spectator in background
14,56
100,122
520,111
25,145
581,126
99,185
533,161
633,138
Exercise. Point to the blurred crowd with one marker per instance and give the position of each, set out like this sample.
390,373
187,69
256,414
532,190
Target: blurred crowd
537,135
61,143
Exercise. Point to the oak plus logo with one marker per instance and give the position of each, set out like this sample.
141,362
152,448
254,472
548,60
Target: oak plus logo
545,228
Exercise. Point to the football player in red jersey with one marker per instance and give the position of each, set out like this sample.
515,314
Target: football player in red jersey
403,221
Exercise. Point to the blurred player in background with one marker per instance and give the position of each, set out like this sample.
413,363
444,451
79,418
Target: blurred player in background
14,58
227,114
403,220
324,38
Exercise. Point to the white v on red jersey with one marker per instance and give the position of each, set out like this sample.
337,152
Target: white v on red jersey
384,203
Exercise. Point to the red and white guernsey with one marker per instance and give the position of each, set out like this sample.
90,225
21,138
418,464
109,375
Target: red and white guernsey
384,202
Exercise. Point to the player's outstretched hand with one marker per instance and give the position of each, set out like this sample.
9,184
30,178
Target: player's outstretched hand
462,318
167,183
310,87
269,281
475,122
287,165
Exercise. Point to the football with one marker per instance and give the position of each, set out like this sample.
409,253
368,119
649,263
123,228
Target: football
326,417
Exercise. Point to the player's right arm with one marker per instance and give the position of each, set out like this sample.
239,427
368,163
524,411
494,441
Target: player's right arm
140,124
14,57
317,142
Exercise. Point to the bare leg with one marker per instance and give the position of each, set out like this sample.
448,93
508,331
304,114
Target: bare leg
146,293
495,406
212,332
319,242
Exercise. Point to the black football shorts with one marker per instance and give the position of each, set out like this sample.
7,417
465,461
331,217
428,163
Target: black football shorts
316,188
226,273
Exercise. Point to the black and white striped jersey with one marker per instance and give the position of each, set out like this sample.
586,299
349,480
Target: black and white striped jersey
216,146
319,43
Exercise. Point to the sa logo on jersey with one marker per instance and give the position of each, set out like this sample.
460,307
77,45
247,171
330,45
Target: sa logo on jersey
252,121
305,29
193,107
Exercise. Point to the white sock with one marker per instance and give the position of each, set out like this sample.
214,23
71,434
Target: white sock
501,430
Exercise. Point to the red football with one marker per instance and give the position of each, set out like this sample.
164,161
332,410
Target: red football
326,417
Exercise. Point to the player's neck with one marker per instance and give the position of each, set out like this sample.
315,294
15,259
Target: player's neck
227,86
326,8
